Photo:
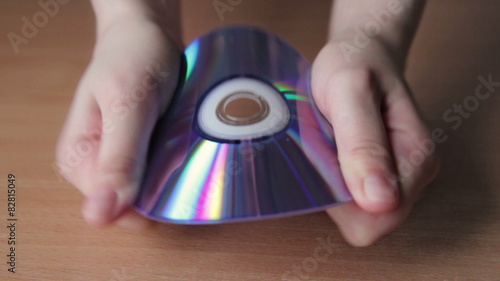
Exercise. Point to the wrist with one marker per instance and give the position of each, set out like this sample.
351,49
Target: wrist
110,11
391,23
357,40
163,13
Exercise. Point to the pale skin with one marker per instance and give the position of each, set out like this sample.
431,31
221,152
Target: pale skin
364,96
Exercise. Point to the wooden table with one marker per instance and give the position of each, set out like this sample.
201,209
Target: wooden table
453,233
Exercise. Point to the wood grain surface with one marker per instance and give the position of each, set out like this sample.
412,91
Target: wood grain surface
453,234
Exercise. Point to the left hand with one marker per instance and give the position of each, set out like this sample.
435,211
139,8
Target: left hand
385,151
103,146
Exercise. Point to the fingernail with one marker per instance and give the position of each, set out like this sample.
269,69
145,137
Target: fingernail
379,189
100,206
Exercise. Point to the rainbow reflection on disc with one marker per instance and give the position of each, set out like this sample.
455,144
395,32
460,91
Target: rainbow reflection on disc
280,161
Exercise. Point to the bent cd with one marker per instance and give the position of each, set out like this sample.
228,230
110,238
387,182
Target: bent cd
242,138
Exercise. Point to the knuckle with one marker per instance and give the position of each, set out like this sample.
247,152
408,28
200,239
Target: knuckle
367,150
120,165
119,171
119,97
358,79
348,81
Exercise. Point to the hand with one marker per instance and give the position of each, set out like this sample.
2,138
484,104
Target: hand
385,151
126,87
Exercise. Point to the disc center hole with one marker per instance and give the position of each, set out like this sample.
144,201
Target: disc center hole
242,108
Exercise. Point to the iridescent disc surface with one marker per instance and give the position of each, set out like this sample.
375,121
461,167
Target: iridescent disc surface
196,178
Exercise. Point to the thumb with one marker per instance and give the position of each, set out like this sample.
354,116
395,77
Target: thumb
353,106
118,167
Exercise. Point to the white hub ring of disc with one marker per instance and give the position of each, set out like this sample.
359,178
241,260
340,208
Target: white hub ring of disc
275,121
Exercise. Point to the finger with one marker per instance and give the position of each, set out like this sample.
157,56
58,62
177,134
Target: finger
417,166
79,139
354,110
413,148
361,228
127,126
